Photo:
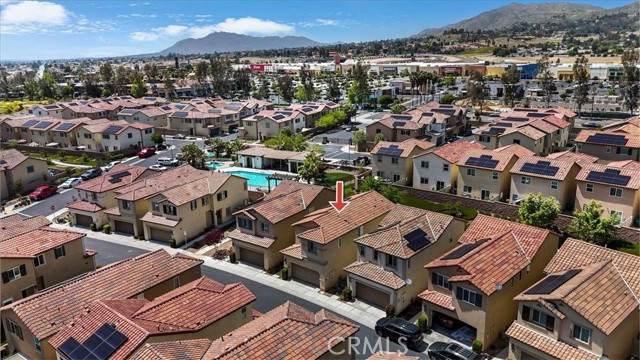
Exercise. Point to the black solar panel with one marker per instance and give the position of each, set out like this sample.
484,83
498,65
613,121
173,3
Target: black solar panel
445,111
65,126
516,119
398,123
307,109
120,174
445,106
495,130
607,139
278,117
150,98
463,250
484,161
30,123
99,346
417,239
609,176
180,106
401,117
540,168
427,114
128,111
537,115
166,108
214,111
69,346
51,107
551,283
73,104
180,114
392,150
330,103
113,129
43,125
503,124
233,106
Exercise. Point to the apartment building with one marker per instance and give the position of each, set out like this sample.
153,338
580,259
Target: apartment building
394,161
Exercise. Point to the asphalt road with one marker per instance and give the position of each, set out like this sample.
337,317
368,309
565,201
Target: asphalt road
268,298
58,201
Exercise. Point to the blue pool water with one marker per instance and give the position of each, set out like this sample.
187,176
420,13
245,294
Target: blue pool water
255,179
210,154
214,165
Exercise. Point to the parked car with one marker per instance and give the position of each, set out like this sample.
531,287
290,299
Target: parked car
146,152
71,182
350,128
179,156
166,161
109,166
157,167
90,174
179,136
399,330
43,191
452,351
591,124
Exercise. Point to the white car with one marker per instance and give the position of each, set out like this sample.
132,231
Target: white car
157,167
166,161
71,182
109,166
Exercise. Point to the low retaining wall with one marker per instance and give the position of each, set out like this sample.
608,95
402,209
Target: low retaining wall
71,152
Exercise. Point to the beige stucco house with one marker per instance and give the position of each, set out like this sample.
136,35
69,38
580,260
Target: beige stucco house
609,145
394,161
14,166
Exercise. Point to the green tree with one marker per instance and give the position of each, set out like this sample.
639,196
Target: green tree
385,100
510,81
138,89
67,91
107,75
31,89
218,146
310,168
169,88
393,193
379,137
589,225
545,77
263,89
90,83
449,80
447,99
581,77
359,137
350,110
539,211
221,73
17,187
121,79
371,183
285,87
333,90
475,88
397,108
157,139
630,85
193,155
48,86
352,93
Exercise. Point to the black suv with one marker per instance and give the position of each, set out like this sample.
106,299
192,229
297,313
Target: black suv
90,174
452,351
400,331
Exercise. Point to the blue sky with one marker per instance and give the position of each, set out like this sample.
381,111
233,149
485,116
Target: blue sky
85,28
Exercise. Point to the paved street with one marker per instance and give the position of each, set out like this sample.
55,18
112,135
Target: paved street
43,207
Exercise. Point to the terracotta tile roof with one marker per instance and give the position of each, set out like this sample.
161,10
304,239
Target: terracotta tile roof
544,126
154,111
115,211
267,152
207,184
633,141
295,251
288,332
503,159
437,298
580,158
46,312
634,175
598,293
384,355
452,152
183,350
561,110
557,122
564,167
38,241
103,182
330,224
376,274
263,242
390,239
157,183
547,345
15,225
82,205
407,146
400,213
527,130
626,164
11,158
577,253
160,220
515,149
392,123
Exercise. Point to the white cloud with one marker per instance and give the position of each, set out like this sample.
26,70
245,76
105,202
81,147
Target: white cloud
318,22
204,16
326,22
171,30
143,36
140,4
34,12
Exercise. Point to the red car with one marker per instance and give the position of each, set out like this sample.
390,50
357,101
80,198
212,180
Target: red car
43,191
146,152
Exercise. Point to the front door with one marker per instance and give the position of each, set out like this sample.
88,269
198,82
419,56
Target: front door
40,282
486,194
439,185
218,217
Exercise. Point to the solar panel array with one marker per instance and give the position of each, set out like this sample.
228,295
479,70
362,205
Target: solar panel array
43,125
495,130
552,282
427,114
180,106
307,109
120,174
166,108
537,115
417,239
180,114
445,106
401,117
392,150
398,123
445,111
503,124
278,117
113,129
463,250
150,98
214,111
65,126
484,161
30,123
128,111
609,176
516,119
73,104
330,103
607,139
100,345
234,106
51,107
540,168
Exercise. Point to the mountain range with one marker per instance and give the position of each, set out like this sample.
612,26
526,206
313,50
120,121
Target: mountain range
222,42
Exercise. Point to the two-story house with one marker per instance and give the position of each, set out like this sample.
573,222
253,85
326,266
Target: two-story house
31,322
268,123
264,228
617,189
485,174
389,266
156,116
394,161
185,211
325,239
551,178
437,168
97,194
14,167
51,110
195,122
609,145
80,109
65,132
118,135
202,308
585,308
472,287
40,130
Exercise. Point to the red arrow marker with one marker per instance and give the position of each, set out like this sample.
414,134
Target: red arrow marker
339,204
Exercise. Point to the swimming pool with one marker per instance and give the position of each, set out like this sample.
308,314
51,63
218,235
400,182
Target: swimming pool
214,164
255,179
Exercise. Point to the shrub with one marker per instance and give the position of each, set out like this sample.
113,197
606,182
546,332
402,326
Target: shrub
346,294
390,310
212,237
477,345
284,273
107,229
92,227
423,323
172,243
221,254
232,257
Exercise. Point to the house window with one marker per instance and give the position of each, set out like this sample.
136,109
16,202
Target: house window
405,132
623,150
311,247
467,189
155,206
222,195
14,273
375,254
30,169
379,173
495,175
581,333
36,343
554,185
39,260
176,282
194,204
424,180
169,210
445,167
14,329
579,146
379,158
424,164
484,139
525,180
267,125
59,252
589,188
243,313
538,317
130,135
514,197
516,141
392,261
440,280
607,149
105,136
396,177
394,160
361,230
245,223
468,296
126,205
205,200
264,227
617,192
471,172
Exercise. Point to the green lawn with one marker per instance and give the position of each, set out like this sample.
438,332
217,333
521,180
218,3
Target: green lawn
467,213
66,159
332,177
629,248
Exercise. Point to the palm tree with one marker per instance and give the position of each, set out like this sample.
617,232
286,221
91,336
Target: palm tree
236,145
219,146
310,168
193,155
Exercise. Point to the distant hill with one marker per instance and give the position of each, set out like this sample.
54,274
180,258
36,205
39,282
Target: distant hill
222,42
514,13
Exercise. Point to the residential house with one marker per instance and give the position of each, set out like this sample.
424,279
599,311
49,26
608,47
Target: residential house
51,110
485,174
452,117
609,145
313,111
580,158
551,178
18,168
264,228
114,135
288,332
196,123
472,287
97,195
185,211
585,308
260,157
394,161
81,109
65,133
40,130
202,308
109,106
617,189
155,116
437,168
11,128
268,123
31,322
325,239
389,267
